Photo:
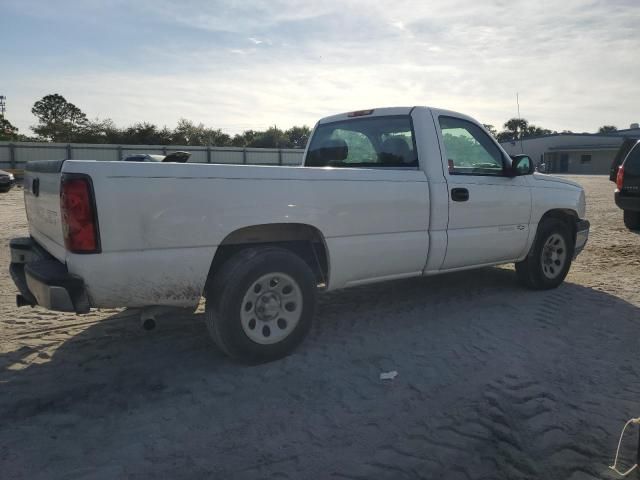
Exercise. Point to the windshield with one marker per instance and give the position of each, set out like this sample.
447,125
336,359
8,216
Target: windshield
365,142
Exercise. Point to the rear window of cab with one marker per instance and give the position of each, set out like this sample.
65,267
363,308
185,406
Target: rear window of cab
364,142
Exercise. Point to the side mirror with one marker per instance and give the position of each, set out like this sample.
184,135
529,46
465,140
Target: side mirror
521,165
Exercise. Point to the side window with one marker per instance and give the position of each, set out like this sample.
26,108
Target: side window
367,142
469,150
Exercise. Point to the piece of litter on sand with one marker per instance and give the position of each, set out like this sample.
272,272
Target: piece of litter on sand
388,375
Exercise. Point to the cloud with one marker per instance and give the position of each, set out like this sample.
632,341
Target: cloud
252,64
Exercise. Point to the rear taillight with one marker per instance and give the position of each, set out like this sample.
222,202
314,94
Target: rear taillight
77,209
620,177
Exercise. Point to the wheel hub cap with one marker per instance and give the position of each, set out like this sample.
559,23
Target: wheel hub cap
268,306
554,256
271,308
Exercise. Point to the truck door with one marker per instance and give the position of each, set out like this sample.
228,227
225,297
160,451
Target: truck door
489,211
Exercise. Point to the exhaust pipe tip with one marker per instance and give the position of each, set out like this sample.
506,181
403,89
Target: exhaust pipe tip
21,301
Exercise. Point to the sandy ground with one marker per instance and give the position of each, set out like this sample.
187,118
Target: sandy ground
494,381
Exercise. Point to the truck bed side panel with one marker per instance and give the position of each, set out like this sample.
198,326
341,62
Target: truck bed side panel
160,225
173,277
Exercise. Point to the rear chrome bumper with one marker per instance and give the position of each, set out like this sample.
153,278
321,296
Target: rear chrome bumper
582,235
43,280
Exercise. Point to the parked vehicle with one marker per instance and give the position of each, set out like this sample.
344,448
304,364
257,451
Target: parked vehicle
621,154
7,180
383,194
541,167
178,157
627,178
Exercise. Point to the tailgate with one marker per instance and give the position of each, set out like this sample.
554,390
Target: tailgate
42,203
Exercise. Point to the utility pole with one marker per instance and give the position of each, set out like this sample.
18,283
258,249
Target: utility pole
521,133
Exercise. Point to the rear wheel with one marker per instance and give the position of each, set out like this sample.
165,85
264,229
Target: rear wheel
632,220
261,304
550,257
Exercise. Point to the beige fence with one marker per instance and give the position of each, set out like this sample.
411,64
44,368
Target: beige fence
14,155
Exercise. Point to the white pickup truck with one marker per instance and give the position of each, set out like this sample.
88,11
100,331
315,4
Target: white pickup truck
383,194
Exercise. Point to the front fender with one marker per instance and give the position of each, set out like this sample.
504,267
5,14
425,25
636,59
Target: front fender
554,193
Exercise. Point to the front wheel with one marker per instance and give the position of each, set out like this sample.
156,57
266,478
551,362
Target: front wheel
632,220
549,259
261,304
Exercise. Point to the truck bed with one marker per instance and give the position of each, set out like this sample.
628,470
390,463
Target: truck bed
160,224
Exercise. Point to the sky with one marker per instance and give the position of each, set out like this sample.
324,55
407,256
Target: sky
238,65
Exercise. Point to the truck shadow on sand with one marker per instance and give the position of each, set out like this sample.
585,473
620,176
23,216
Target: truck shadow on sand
452,338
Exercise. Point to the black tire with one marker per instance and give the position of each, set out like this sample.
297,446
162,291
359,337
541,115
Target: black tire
631,220
539,270
226,297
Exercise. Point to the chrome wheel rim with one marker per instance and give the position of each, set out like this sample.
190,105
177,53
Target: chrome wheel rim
271,308
554,256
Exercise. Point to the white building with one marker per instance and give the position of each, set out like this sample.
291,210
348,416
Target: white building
573,152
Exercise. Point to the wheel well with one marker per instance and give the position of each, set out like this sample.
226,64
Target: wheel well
304,240
566,215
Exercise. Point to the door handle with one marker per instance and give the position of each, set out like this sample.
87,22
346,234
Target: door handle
459,194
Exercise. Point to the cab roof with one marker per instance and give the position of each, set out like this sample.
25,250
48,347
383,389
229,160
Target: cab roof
373,112
387,111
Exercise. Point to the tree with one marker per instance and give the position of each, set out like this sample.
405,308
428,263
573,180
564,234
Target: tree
505,136
61,121
517,128
298,136
245,138
607,129
273,137
58,119
7,130
491,129
187,133
534,131
514,128
97,131
144,133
